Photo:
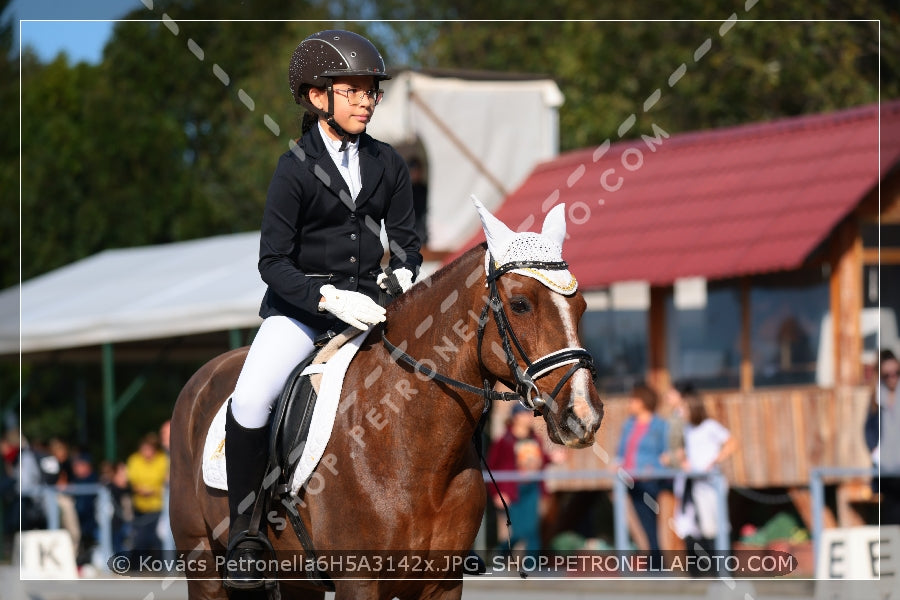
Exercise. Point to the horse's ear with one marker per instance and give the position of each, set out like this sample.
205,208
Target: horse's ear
555,224
496,232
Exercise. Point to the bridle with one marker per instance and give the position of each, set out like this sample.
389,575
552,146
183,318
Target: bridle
523,381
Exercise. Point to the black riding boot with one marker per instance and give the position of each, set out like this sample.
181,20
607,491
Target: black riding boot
246,457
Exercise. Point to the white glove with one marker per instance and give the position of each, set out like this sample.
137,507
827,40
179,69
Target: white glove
352,308
404,278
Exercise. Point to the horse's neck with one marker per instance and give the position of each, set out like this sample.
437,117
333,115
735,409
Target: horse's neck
438,327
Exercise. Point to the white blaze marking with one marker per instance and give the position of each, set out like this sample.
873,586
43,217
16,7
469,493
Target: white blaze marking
566,315
580,380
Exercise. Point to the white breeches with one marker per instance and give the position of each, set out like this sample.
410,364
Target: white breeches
279,345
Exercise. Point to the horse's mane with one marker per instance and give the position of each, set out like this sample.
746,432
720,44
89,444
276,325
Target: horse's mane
424,286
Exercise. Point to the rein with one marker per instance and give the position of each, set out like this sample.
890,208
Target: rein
522,381
486,391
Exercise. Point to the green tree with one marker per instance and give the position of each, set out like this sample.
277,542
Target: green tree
57,181
608,69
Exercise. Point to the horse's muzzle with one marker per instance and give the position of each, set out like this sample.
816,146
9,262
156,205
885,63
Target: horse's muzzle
576,425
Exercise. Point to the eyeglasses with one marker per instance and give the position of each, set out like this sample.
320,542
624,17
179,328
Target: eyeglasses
889,374
355,97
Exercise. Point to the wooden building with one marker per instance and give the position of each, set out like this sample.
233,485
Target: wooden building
745,260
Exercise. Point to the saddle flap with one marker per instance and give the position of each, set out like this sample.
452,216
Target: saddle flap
294,411
291,419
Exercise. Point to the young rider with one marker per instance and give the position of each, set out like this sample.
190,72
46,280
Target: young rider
320,250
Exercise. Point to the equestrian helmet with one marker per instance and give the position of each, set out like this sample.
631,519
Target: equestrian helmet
321,57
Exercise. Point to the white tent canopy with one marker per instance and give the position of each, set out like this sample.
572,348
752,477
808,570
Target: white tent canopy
480,136
131,294
139,293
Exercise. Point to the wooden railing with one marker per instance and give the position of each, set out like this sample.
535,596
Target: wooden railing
782,433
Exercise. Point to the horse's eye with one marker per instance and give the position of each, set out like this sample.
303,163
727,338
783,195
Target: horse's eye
520,305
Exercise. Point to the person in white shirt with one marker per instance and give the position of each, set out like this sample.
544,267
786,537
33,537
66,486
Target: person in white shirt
707,443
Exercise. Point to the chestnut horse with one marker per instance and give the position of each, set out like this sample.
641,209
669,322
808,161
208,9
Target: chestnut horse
402,473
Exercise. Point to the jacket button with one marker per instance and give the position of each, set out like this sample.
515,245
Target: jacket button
353,236
353,259
352,279
353,216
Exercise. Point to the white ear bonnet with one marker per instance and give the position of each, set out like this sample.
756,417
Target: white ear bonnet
506,246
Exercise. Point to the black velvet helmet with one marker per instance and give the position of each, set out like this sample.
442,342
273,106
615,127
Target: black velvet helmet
321,57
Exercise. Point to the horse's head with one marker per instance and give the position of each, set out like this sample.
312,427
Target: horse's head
529,329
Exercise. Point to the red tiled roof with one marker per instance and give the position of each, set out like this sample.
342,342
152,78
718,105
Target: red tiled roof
721,203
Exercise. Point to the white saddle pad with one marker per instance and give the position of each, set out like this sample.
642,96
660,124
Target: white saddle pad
319,429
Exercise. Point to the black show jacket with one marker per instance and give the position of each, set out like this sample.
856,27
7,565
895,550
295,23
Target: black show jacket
314,234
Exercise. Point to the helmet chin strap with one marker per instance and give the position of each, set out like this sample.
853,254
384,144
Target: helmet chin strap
346,137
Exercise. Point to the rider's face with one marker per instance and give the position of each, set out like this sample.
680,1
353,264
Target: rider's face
352,117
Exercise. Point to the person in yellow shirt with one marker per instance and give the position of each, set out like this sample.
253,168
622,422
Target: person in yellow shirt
148,471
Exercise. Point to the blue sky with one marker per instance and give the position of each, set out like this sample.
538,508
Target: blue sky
81,28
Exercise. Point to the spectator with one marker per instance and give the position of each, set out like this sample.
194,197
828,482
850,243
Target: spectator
884,444
520,450
707,443
164,436
58,472
85,506
148,470
164,528
675,401
115,478
675,415
20,480
642,447
9,482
